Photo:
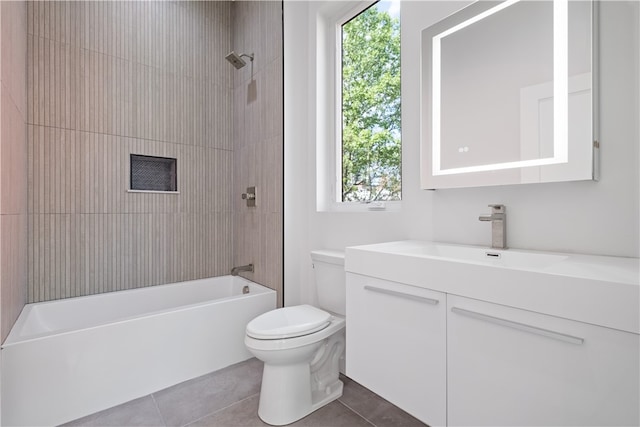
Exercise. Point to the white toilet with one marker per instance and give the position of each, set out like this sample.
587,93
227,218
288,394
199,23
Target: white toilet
302,347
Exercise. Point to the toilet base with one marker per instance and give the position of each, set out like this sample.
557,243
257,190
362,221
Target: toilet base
331,393
284,402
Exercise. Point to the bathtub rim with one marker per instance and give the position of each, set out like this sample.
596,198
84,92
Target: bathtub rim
12,341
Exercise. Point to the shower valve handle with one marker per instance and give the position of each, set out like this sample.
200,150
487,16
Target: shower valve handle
250,196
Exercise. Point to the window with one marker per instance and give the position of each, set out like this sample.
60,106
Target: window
370,130
153,173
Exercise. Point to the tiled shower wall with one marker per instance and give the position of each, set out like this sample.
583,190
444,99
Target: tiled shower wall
107,79
13,161
258,141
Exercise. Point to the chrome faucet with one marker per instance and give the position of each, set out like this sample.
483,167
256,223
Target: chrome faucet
236,270
498,220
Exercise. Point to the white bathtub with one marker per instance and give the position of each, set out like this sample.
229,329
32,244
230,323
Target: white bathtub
69,358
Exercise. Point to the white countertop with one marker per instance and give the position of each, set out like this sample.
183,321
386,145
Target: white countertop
600,290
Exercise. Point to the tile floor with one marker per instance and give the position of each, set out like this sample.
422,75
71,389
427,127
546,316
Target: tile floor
229,398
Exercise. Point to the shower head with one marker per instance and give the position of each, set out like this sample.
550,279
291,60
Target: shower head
236,60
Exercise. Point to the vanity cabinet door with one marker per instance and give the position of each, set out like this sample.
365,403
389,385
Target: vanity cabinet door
515,367
396,344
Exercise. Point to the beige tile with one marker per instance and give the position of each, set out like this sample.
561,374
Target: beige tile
14,52
13,157
257,134
117,78
13,275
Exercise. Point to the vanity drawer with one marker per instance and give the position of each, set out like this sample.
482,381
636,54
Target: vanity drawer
515,367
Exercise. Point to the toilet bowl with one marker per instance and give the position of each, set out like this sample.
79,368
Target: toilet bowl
301,347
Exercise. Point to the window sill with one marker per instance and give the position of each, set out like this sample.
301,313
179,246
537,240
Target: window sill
356,207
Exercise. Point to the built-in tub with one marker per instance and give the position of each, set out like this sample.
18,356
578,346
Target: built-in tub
69,358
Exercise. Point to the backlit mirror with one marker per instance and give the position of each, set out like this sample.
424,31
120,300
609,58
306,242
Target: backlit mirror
508,95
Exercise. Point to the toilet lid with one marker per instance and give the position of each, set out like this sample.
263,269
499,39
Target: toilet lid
288,322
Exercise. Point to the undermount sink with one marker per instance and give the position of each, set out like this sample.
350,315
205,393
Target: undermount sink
476,254
602,290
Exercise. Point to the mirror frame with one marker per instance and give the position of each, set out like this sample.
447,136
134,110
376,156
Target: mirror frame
432,175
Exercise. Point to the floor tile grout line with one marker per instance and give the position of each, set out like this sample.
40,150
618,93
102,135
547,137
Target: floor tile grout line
221,409
164,422
355,412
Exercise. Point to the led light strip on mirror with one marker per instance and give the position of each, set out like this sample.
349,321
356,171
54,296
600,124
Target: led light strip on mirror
560,94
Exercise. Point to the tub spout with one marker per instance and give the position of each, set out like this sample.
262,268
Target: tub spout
236,270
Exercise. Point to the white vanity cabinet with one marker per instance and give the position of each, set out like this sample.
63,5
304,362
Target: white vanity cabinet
509,366
524,337
396,338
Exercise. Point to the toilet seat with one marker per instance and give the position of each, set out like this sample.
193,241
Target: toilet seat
276,345
288,322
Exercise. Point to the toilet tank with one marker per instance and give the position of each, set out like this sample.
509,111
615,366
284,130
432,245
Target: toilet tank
328,268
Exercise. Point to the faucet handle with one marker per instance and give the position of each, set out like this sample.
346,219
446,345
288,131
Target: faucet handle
497,208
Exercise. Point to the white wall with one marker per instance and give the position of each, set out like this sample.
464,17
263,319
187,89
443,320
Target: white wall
582,217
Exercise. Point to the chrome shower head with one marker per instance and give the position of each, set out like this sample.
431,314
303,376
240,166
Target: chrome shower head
236,60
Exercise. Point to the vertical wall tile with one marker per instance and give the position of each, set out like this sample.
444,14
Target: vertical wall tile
112,78
106,80
258,138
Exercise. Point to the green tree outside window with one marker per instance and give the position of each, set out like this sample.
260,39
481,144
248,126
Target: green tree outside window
371,128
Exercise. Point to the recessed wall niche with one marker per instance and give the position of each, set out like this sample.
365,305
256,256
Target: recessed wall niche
149,173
